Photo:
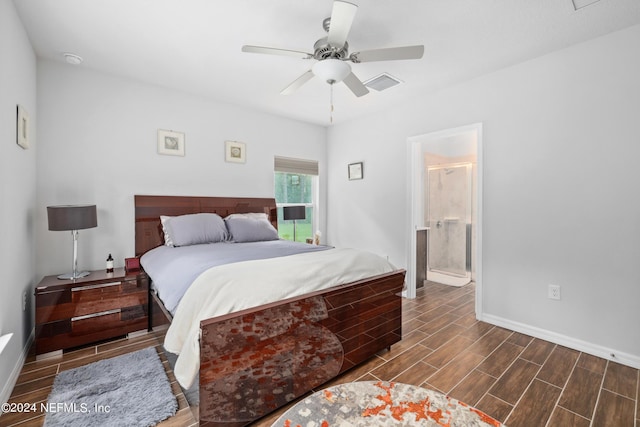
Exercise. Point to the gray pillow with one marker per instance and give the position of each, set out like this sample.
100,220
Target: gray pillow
247,229
194,229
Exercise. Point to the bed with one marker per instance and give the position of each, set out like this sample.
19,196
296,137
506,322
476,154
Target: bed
254,360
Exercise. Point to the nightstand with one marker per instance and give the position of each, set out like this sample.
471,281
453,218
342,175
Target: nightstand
71,313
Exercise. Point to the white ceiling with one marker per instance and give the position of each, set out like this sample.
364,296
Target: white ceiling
194,45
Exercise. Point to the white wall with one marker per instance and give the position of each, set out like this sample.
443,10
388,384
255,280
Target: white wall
98,145
560,188
17,193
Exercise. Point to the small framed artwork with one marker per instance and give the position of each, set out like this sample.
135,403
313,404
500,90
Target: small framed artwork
235,152
22,128
170,143
355,171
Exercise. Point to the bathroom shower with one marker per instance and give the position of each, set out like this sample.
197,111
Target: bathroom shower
449,202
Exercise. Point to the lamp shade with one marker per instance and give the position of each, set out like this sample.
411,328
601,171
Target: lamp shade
72,217
331,70
293,212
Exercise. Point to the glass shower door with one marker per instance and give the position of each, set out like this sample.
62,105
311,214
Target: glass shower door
449,218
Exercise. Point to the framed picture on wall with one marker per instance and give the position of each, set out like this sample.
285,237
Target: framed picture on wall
235,152
170,143
22,128
355,171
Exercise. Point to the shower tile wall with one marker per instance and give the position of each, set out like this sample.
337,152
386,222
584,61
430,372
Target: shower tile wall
449,212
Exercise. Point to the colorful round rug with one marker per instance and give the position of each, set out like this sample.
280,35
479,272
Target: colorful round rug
379,403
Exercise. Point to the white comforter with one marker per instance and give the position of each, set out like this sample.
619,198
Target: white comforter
233,287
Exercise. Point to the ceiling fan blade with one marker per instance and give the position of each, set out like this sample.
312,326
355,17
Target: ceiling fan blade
355,85
276,51
297,83
389,54
341,19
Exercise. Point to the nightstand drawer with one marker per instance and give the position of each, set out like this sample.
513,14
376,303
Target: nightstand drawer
101,306
88,299
99,290
110,319
82,330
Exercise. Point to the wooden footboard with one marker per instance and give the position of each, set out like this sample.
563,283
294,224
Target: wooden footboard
257,360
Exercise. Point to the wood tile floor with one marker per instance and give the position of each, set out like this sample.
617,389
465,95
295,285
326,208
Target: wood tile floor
35,380
517,379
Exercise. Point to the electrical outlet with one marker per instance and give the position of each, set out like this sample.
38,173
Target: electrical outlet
554,292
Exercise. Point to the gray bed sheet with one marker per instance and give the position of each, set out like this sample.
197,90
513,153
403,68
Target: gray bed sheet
173,269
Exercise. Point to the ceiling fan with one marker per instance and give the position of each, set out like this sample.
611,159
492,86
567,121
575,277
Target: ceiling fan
332,53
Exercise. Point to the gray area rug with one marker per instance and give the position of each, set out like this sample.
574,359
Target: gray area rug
128,390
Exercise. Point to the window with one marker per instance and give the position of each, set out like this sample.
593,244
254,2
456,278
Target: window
296,184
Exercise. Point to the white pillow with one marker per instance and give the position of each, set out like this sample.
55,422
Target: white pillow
193,229
164,220
254,215
248,228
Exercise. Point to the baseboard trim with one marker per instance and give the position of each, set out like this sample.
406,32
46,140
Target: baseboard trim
576,344
13,378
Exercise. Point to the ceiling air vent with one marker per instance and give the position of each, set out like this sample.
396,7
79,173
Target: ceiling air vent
382,82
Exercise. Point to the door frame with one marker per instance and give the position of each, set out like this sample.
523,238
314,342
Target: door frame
416,194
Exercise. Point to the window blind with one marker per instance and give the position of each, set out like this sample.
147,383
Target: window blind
290,165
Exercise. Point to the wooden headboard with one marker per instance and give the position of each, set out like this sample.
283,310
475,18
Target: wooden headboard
149,208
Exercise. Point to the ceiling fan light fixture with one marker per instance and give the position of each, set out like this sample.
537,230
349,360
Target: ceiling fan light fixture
331,70
72,58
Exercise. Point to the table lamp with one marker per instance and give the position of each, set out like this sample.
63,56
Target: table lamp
73,218
293,213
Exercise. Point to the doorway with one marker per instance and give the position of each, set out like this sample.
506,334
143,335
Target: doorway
454,232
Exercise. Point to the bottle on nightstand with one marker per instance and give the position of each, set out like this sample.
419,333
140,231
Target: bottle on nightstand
109,264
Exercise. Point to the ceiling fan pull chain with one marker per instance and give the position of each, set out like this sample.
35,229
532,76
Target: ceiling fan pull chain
331,102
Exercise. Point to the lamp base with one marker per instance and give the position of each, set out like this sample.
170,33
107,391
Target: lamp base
71,276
